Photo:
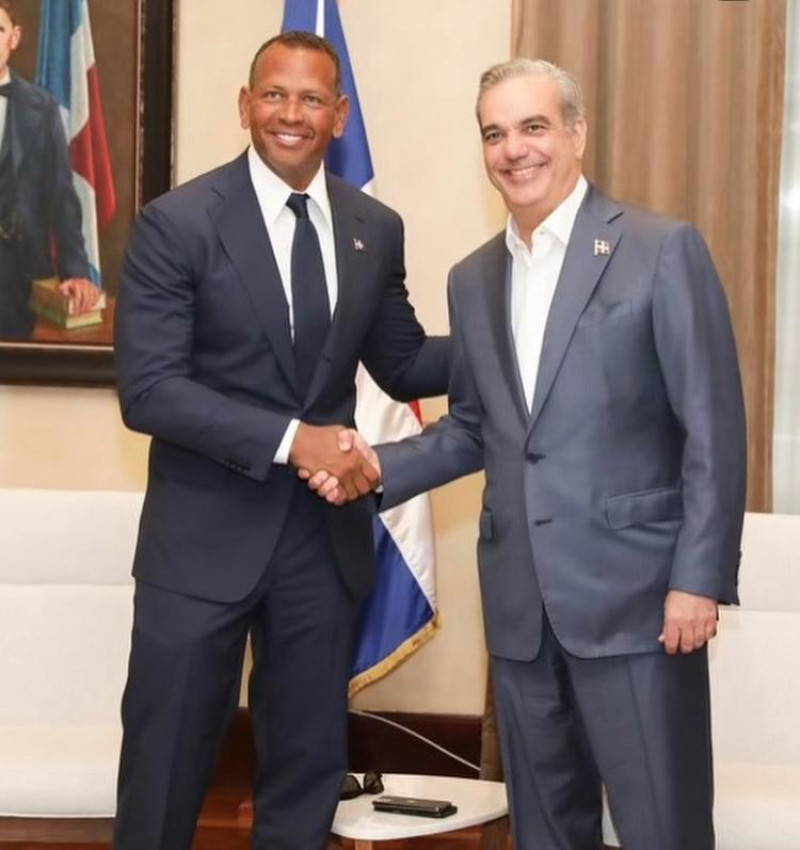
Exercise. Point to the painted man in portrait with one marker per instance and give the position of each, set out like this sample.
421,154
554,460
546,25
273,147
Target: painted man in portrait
40,215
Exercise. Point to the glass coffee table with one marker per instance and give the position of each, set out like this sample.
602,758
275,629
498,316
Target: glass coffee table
477,800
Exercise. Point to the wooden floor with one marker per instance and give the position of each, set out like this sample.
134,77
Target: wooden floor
221,838
219,829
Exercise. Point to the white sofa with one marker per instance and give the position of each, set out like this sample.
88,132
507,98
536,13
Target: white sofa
65,615
755,695
65,619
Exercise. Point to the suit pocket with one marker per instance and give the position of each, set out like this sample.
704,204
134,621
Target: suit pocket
657,505
597,315
486,525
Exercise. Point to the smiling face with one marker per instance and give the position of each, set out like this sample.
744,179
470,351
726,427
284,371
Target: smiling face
292,110
9,39
530,154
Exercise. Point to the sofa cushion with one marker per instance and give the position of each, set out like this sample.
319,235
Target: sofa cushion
63,652
59,770
757,806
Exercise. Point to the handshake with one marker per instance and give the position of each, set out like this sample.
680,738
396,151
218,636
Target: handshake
337,462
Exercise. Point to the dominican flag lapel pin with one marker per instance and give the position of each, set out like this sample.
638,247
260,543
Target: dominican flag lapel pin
601,248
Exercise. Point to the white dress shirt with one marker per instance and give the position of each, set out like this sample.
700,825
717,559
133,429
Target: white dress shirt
6,78
272,194
534,275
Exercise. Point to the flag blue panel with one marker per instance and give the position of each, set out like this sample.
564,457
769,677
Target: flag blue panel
398,615
349,156
395,610
299,15
58,20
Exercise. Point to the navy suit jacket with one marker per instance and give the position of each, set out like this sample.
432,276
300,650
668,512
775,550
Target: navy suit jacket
627,476
205,365
46,203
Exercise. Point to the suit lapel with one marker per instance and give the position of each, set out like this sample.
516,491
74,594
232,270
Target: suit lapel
580,274
497,288
349,231
244,236
22,123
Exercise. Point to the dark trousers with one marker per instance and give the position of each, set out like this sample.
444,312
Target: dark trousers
183,686
16,317
639,724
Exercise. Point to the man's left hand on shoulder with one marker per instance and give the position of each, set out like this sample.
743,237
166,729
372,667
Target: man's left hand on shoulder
690,621
83,293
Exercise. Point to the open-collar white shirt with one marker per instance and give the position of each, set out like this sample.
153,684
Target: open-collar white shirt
272,194
534,275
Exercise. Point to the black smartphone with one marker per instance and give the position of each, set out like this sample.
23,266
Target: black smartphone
414,806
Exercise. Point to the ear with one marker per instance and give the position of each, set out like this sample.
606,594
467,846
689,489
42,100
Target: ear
579,134
244,107
341,111
16,37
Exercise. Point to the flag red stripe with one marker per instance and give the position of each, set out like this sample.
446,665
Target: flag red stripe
89,154
104,179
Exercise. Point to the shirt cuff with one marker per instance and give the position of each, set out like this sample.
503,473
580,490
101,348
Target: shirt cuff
282,455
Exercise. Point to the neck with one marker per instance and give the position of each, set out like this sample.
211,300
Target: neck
527,219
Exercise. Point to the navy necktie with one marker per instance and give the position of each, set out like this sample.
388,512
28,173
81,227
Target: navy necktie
310,304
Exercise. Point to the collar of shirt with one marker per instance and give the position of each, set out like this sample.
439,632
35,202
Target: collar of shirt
273,193
4,105
558,224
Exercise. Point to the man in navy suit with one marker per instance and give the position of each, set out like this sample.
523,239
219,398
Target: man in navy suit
40,215
595,378
212,336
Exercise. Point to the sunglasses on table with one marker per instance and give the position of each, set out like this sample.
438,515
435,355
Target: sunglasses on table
352,788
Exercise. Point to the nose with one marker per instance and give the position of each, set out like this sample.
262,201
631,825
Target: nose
291,112
514,146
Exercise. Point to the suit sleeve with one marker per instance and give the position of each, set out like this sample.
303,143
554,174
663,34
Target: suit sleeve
403,361
446,450
697,354
153,355
65,210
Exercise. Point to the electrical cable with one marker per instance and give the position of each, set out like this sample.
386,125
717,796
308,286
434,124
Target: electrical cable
414,734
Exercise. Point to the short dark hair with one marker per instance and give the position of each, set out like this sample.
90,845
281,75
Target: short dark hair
6,6
298,39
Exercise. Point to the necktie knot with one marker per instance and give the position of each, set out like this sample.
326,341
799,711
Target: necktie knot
5,90
298,204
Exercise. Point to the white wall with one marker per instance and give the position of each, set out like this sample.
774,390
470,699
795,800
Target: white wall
416,64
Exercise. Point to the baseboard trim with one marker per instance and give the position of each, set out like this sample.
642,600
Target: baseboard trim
56,830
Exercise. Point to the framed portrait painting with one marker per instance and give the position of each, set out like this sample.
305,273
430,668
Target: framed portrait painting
86,140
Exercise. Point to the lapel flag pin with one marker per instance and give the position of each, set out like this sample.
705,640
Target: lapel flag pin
601,248
358,244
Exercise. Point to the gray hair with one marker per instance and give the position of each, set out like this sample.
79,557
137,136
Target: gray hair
571,99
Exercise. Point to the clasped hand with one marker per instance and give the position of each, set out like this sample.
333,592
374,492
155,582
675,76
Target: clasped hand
337,462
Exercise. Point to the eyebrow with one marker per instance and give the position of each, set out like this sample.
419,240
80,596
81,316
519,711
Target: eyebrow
531,119
535,119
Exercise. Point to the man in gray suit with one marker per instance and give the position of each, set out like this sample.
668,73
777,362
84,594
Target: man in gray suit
595,379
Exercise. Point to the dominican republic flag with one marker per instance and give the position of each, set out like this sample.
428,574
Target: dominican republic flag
400,615
65,66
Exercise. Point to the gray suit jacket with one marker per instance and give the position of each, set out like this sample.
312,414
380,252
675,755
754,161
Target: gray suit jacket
627,477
